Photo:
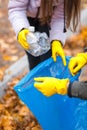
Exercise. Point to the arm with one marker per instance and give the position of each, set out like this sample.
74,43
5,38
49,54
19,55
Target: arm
17,10
17,14
78,89
57,36
50,86
57,23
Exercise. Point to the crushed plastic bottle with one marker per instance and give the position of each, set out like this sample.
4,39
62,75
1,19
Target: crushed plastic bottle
38,42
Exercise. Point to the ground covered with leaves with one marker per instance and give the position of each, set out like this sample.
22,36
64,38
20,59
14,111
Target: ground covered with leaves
14,115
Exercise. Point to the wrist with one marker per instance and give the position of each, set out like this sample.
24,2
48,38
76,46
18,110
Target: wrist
85,49
21,31
69,90
62,86
84,56
54,42
73,89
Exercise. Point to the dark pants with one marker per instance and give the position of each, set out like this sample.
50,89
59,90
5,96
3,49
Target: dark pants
33,61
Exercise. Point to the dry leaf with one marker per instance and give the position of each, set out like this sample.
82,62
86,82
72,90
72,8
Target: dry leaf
1,75
7,57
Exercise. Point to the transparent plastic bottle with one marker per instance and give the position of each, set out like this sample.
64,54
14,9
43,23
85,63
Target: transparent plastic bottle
38,42
34,48
43,42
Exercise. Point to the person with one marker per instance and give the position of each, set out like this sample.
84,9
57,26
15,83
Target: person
50,85
50,16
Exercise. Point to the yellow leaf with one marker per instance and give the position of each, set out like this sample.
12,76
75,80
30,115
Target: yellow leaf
6,57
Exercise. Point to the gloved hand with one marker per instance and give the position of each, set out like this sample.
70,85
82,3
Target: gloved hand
50,86
76,63
58,50
22,38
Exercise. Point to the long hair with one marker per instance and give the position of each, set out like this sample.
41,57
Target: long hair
72,11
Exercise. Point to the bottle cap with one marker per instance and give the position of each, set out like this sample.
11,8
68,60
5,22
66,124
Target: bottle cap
32,28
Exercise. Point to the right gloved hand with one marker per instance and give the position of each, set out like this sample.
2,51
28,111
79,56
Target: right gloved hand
22,38
50,86
76,63
57,50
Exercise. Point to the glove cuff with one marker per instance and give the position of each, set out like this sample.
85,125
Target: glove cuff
20,31
63,89
58,41
83,55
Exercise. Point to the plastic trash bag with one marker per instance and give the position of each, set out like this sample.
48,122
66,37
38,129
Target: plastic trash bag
56,112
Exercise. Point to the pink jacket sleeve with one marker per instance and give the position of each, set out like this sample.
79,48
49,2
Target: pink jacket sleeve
17,14
57,23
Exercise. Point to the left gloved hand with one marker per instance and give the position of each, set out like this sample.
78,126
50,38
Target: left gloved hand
50,86
57,50
76,63
22,38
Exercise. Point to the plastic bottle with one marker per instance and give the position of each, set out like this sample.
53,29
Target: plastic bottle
32,40
44,42
38,42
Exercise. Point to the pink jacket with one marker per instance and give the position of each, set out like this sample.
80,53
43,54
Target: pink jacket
18,10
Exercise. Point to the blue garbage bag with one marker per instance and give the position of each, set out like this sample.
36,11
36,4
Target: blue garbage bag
56,112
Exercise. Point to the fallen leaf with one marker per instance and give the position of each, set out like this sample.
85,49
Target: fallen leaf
1,75
7,57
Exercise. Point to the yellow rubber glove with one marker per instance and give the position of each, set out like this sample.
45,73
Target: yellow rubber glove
50,86
57,50
22,38
76,63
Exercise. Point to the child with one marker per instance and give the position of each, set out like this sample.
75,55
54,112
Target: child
50,16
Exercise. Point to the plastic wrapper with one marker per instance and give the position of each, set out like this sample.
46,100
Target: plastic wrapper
39,43
56,112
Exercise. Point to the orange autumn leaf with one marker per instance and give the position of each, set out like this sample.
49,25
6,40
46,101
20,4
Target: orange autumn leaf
6,57
10,58
1,75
